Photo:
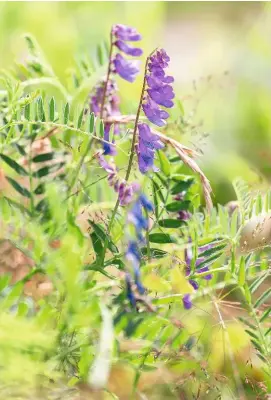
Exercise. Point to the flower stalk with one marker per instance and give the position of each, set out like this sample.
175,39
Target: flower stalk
130,162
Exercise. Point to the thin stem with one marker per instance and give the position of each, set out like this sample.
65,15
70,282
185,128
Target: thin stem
82,159
107,76
32,204
130,163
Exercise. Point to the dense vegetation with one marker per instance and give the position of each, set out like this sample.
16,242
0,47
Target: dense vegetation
119,279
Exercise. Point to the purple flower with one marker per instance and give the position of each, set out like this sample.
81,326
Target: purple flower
136,217
187,301
111,108
127,69
162,95
200,259
148,143
160,92
146,203
184,215
154,113
129,50
125,191
140,221
109,148
126,33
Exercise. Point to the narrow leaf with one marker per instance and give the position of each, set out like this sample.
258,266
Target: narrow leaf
41,113
40,189
161,238
101,129
14,165
209,260
171,223
20,189
257,283
27,112
103,235
242,272
262,298
52,107
176,206
266,314
44,171
91,123
213,250
80,119
154,253
17,205
182,186
43,157
248,323
97,243
66,114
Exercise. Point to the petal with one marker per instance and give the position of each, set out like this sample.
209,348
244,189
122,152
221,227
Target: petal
187,301
125,32
131,51
127,69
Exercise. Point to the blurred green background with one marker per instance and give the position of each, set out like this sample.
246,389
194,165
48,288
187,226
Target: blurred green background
221,60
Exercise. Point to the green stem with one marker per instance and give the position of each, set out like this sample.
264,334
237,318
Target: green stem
130,163
82,159
32,204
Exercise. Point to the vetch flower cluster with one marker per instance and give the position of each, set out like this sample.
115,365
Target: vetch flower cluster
126,69
110,109
188,259
140,222
159,93
125,191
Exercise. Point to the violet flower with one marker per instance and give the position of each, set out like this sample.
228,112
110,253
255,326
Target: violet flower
126,33
187,301
188,260
126,69
160,92
111,109
148,143
140,222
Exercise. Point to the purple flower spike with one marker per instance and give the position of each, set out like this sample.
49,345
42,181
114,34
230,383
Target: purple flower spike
160,92
129,50
127,69
148,144
187,301
126,33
